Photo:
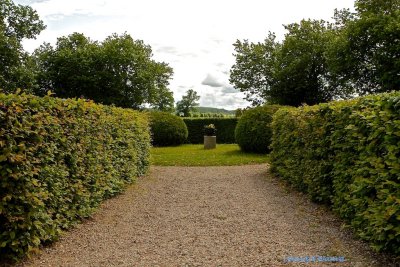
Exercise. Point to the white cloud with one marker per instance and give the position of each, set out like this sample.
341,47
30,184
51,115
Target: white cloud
168,50
194,37
212,81
209,100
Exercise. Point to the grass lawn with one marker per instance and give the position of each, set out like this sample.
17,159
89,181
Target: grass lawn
196,155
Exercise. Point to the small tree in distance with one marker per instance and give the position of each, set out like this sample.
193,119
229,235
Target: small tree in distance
239,112
164,100
188,103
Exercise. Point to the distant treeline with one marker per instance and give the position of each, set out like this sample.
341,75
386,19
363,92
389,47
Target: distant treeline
210,115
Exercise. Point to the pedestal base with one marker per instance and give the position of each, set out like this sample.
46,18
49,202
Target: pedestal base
210,142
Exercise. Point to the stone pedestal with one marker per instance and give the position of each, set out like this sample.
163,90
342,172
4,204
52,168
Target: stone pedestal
210,142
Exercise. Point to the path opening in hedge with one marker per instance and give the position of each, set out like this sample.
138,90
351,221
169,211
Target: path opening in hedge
209,216
196,155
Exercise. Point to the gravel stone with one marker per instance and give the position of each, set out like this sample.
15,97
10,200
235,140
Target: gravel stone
208,216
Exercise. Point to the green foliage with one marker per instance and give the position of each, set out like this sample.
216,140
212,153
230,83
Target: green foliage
253,132
209,115
239,112
252,72
196,155
225,126
319,61
188,103
346,154
17,22
164,100
59,158
117,71
167,129
300,76
364,55
309,160
292,72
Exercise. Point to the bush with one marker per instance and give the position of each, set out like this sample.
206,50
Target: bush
167,129
59,158
346,154
225,127
253,132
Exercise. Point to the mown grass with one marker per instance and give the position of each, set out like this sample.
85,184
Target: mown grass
196,155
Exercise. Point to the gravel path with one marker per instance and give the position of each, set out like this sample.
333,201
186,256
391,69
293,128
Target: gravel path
207,216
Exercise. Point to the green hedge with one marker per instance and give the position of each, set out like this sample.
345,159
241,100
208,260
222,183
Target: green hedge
58,160
253,132
225,129
346,154
167,129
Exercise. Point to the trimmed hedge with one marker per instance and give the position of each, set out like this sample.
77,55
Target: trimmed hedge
225,129
253,132
346,154
167,129
58,160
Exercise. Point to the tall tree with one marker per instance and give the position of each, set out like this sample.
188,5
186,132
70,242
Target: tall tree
253,72
300,71
67,70
365,54
162,98
117,71
17,22
164,101
289,73
188,103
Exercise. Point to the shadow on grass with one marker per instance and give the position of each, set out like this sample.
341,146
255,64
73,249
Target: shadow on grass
241,153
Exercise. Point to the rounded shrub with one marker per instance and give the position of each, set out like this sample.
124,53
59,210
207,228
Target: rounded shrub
253,132
167,129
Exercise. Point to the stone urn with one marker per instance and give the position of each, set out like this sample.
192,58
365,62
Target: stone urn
210,142
210,138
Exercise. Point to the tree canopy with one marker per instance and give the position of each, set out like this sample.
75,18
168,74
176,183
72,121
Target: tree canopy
188,103
119,71
318,61
365,53
300,74
17,22
291,72
164,101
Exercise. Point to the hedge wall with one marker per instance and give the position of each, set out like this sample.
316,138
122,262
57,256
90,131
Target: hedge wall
225,129
58,160
346,154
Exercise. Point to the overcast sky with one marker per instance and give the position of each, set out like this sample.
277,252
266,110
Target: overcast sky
194,37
